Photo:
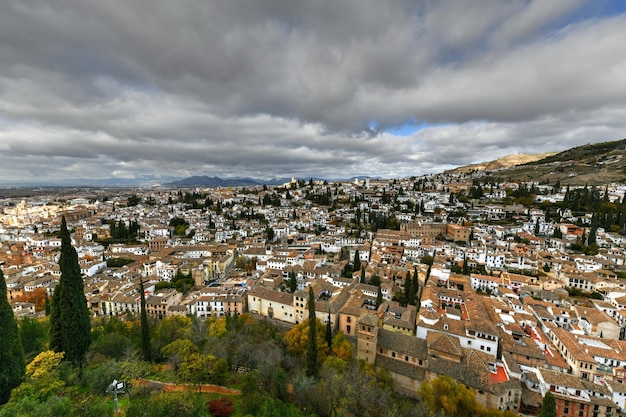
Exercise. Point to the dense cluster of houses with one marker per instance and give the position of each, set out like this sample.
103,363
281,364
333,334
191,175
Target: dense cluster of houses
492,306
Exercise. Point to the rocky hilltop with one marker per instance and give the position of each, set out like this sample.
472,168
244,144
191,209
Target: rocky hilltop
593,164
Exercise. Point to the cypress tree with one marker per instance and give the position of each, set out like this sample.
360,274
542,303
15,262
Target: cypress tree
146,347
329,332
379,298
362,275
548,406
357,261
13,364
465,266
293,282
70,323
407,290
47,305
312,366
411,299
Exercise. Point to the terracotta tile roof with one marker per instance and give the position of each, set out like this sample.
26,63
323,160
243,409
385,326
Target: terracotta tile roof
368,319
561,379
401,342
401,367
443,342
271,295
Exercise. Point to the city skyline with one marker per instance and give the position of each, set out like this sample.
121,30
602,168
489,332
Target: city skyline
278,89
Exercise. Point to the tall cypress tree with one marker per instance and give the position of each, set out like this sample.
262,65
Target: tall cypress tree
293,282
465,266
357,261
146,346
12,363
70,323
411,299
312,366
329,332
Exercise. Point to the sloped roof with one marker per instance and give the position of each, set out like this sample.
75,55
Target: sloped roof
404,343
443,342
368,319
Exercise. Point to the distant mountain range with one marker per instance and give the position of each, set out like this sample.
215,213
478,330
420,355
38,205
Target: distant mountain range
212,182
592,164
142,181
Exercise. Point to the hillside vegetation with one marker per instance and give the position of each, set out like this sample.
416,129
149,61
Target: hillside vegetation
592,164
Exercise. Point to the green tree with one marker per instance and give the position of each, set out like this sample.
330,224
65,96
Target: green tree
375,280
379,298
342,347
198,368
427,260
47,305
297,340
293,282
146,345
12,359
548,406
412,291
465,266
70,323
445,394
329,331
167,404
34,335
312,364
357,261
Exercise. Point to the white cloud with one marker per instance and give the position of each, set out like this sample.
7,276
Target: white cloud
279,88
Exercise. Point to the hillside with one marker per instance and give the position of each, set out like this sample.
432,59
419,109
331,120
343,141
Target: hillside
593,164
505,162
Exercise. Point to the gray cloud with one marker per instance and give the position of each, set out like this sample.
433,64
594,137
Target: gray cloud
272,88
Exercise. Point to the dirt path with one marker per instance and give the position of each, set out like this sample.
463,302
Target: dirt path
169,387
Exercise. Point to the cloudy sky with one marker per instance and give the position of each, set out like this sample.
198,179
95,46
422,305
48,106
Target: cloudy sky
325,88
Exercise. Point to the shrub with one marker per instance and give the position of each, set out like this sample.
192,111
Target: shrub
221,407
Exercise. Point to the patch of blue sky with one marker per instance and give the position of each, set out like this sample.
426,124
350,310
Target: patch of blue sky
613,7
598,9
409,128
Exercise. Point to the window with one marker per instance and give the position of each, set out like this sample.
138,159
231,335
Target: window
406,358
565,410
349,319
